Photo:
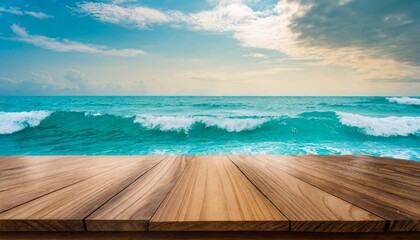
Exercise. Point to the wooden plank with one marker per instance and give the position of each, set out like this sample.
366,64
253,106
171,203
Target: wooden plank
132,209
399,167
213,195
392,162
13,162
403,186
39,172
18,167
374,167
308,208
403,214
23,184
403,196
208,236
405,167
65,209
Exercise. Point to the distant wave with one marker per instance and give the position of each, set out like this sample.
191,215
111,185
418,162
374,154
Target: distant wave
11,122
383,127
185,123
404,100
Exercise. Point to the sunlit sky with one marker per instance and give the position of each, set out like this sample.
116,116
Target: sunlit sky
210,47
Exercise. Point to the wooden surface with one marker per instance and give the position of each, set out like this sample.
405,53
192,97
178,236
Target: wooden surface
307,207
28,180
356,188
132,209
213,195
208,236
66,208
210,193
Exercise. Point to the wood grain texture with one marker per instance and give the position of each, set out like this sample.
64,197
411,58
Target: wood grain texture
308,208
15,162
65,209
403,213
394,179
24,169
393,191
132,209
403,187
376,168
209,193
393,163
208,236
213,195
31,180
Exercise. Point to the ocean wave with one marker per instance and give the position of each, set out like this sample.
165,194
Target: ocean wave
165,123
404,100
185,123
382,127
11,122
235,124
306,125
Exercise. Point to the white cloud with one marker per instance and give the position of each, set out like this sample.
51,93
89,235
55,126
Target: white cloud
256,55
39,15
68,46
18,11
122,1
223,18
139,17
343,2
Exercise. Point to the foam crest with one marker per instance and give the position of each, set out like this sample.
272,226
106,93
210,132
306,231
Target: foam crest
165,123
185,123
404,100
92,114
384,127
11,122
235,124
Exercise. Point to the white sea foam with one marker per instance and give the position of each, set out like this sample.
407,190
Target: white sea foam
310,150
165,123
404,100
234,124
92,114
184,123
11,122
401,153
385,127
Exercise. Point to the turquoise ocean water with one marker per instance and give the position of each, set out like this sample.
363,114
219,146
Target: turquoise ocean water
381,126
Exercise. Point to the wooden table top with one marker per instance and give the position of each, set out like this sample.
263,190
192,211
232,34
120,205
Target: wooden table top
348,193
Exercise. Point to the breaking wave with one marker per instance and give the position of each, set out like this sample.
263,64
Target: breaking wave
384,127
185,123
304,125
404,100
11,122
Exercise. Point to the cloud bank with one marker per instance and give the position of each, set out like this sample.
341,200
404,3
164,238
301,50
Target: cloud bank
318,32
42,83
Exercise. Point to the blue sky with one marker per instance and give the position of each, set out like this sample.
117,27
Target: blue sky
209,47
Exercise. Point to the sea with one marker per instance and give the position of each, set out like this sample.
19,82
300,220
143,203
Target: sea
379,126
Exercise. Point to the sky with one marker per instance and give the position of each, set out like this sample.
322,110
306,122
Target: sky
210,47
